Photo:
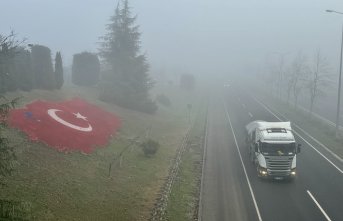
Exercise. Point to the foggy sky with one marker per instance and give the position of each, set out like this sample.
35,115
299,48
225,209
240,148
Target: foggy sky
196,36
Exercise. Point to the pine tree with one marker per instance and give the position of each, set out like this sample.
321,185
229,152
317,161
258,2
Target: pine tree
58,70
127,81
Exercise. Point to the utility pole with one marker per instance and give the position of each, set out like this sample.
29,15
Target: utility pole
339,82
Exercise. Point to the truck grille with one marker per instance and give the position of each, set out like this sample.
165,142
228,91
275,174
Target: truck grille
279,166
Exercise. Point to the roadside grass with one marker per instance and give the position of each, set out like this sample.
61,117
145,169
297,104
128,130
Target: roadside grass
77,186
315,127
183,201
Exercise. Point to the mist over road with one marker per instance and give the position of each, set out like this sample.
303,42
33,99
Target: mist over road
316,193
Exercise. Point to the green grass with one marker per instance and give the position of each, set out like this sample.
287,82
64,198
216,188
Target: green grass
183,201
76,186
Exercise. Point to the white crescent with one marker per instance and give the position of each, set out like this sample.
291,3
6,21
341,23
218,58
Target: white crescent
52,113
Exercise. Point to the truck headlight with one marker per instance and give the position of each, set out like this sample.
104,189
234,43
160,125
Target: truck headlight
293,173
263,171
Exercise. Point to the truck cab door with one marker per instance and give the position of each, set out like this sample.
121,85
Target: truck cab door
256,148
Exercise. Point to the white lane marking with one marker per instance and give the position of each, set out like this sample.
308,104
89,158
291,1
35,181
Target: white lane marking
318,142
314,139
250,114
318,205
341,171
245,172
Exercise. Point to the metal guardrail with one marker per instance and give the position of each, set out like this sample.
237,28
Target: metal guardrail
330,123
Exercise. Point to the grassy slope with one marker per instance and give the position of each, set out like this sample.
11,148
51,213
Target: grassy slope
76,186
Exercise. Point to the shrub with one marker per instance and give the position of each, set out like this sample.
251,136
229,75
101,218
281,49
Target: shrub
125,96
163,99
7,154
150,147
85,69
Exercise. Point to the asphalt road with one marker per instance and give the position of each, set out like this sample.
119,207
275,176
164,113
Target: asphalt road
231,189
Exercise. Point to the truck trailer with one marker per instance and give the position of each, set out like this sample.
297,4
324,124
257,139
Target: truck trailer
272,149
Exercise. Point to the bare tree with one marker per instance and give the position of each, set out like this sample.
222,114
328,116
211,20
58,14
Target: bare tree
272,79
319,78
280,73
298,76
288,82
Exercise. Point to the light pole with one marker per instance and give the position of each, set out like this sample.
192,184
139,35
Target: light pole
339,81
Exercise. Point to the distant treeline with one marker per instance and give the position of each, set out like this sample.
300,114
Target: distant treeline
25,69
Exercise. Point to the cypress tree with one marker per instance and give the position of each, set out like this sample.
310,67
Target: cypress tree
86,69
59,70
42,67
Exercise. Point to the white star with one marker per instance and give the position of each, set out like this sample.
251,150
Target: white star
78,115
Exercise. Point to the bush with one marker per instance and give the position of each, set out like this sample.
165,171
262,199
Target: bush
125,96
163,99
7,154
150,147
187,81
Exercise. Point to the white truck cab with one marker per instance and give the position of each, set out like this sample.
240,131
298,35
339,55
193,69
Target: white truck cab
272,149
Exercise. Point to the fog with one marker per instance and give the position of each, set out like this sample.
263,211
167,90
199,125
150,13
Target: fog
106,132
197,36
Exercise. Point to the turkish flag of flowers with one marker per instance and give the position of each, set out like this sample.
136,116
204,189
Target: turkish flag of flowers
72,125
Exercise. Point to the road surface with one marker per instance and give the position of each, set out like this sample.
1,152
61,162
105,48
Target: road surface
230,187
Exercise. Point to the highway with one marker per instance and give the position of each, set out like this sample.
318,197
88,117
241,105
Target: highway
231,189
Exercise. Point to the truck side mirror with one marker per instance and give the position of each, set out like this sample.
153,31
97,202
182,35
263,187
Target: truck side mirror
256,147
299,148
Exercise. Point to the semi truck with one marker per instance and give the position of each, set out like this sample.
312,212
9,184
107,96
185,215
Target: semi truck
273,149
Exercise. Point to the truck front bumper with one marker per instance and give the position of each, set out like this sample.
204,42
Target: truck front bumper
266,173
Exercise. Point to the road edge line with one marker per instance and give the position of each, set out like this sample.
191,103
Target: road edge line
310,136
318,205
334,165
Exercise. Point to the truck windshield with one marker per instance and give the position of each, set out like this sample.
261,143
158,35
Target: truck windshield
278,149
